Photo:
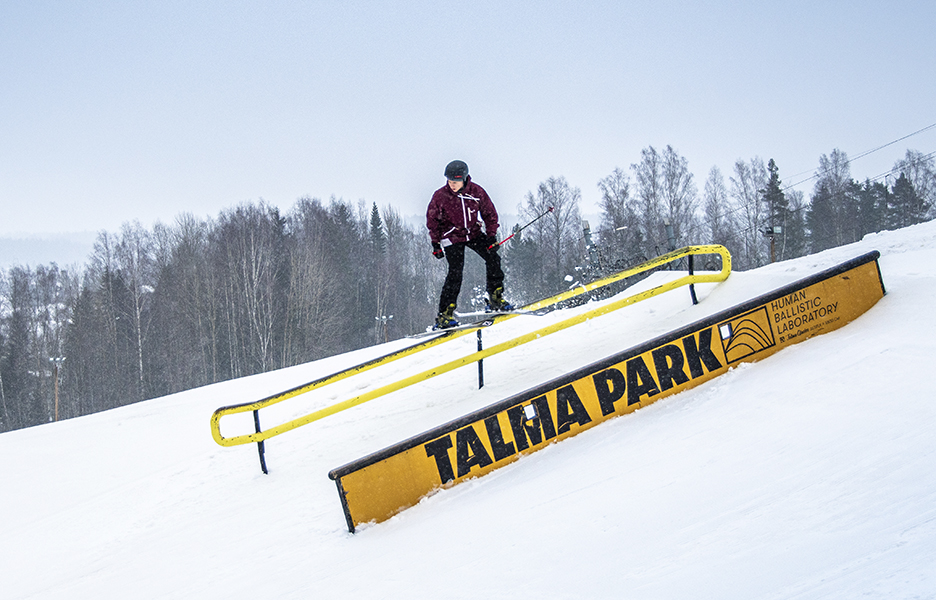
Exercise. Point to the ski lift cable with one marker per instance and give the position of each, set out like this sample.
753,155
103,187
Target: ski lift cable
860,155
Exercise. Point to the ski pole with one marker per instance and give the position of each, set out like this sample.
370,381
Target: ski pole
504,241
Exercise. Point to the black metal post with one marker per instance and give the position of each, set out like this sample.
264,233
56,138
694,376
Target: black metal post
692,285
480,363
260,447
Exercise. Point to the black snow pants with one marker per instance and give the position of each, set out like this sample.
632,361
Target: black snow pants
455,255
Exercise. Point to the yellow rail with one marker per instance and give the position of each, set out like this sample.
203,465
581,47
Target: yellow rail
690,279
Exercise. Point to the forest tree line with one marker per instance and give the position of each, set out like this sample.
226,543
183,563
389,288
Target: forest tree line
161,310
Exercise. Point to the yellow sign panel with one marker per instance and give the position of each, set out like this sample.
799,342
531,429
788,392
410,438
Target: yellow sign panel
379,486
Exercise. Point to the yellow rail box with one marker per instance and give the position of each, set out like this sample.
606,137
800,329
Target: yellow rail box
378,486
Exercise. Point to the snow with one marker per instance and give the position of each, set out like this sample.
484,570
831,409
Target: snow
811,474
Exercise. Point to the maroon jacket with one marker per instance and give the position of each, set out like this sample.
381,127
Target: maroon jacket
455,216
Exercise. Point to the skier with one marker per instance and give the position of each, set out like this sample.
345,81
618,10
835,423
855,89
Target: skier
454,219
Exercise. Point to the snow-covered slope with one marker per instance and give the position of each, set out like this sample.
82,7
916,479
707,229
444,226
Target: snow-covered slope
811,474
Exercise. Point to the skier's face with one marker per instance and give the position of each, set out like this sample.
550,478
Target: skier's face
455,185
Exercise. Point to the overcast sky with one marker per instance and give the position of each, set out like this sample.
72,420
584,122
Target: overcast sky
114,111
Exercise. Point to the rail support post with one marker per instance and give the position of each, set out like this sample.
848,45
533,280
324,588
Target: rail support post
692,285
480,363
260,447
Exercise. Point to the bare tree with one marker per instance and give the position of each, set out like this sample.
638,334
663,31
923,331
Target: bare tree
719,224
313,323
679,196
102,273
558,234
920,169
833,213
6,417
410,263
186,308
134,252
748,180
648,178
105,367
54,293
250,238
666,195
620,231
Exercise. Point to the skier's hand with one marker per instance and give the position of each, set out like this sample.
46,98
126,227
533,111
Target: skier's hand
491,243
437,251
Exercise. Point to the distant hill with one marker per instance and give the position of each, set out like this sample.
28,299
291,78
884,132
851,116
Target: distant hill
64,249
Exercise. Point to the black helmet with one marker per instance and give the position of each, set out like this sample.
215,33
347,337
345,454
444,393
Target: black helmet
456,170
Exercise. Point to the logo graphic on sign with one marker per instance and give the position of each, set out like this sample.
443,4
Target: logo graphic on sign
746,335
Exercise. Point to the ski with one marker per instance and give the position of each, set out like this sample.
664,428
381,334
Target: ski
487,321
475,325
496,313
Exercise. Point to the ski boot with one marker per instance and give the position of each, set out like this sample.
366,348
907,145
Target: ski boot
496,302
446,319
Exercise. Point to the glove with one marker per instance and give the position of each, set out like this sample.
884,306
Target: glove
437,251
491,243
